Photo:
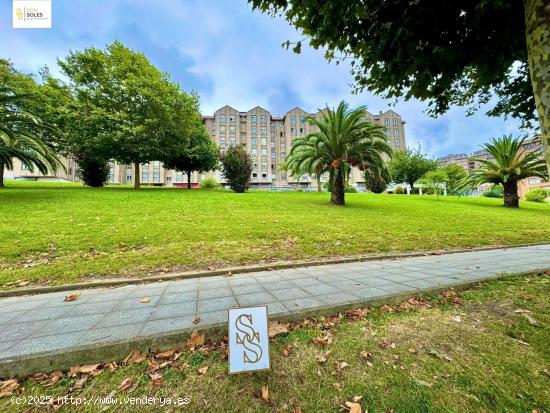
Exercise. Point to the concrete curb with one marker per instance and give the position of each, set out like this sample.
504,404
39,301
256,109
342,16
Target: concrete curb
240,270
64,359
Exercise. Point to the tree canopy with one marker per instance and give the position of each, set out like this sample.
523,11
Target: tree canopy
409,166
128,104
443,52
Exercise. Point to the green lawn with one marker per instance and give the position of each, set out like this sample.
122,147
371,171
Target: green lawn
66,233
487,352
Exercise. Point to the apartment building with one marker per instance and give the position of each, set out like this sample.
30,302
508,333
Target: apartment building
267,139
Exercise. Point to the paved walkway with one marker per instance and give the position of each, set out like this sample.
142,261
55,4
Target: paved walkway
44,330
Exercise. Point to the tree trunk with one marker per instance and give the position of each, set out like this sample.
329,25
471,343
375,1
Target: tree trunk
511,198
337,196
537,29
136,176
1,175
188,179
411,184
318,182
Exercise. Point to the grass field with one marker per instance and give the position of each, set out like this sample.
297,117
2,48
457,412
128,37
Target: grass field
484,351
55,233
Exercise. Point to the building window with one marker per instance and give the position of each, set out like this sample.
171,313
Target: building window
394,121
264,175
283,155
222,119
302,119
281,134
262,120
273,155
243,133
264,152
396,131
232,141
144,176
156,176
272,144
222,130
232,119
283,144
387,121
264,141
264,164
396,142
387,132
156,165
272,134
254,153
301,131
293,131
179,177
253,119
263,131
25,167
254,131
254,175
232,130
254,140
293,120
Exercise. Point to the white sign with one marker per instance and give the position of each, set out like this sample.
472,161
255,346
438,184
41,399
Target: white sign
248,339
32,14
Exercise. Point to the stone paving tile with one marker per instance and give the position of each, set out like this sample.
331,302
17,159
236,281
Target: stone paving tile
216,304
42,344
157,327
215,293
289,293
110,334
45,323
125,317
255,299
178,297
174,310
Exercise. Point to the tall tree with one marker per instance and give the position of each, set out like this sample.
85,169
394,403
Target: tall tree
23,135
129,103
445,52
510,164
409,166
237,168
455,173
343,139
195,153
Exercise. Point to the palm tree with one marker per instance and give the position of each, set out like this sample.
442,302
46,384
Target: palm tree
20,137
510,165
343,139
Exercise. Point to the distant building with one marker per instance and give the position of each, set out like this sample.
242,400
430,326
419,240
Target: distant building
267,138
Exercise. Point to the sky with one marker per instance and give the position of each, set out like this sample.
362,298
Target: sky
232,55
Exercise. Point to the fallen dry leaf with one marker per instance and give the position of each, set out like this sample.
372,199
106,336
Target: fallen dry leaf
156,378
357,398
134,357
265,393
166,355
72,297
457,319
145,300
127,384
531,320
287,351
366,355
276,327
323,340
7,387
353,407
323,357
203,370
54,378
195,340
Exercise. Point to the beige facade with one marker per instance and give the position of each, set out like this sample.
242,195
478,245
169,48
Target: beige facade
267,139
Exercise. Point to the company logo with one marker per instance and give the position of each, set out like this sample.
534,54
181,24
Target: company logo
32,14
249,338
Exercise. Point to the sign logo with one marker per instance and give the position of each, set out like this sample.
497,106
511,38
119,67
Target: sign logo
248,339
32,14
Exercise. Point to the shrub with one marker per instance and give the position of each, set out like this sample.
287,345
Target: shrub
537,195
399,190
237,168
93,171
209,183
350,189
494,192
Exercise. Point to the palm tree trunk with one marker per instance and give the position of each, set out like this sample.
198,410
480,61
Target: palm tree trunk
537,28
318,182
136,175
511,198
337,196
1,175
